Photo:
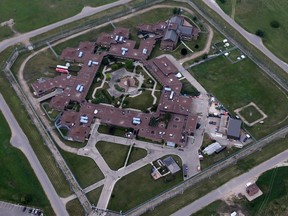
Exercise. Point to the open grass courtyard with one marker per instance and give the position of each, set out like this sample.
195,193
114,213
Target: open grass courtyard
138,187
85,169
115,154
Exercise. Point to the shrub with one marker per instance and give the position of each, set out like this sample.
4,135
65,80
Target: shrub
184,51
275,24
260,33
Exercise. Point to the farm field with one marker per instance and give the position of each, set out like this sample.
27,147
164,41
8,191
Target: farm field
29,15
254,15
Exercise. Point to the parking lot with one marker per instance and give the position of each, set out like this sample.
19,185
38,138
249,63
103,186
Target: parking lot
8,209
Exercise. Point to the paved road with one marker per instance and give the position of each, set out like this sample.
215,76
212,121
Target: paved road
253,39
20,141
87,11
231,185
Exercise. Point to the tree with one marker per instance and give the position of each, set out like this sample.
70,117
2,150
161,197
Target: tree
275,24
114,67
105,61
260,33
184,51
129,65
176,11
223,1
153,122
205,56
196,46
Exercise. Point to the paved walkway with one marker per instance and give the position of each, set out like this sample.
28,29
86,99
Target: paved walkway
20,141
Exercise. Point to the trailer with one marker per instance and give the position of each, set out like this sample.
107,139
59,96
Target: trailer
62,67
61,70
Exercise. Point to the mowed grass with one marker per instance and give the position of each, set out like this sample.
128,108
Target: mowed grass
18,182
74,208
5,32
43,153
214,208
200,189
250,114
141,102
84,169
115,154
138,187
39,66
94,195
254,15
236,85
29,15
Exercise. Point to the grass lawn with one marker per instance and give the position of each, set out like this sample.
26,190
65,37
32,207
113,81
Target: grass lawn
19,184
74,208
94,195
43,153
115,154
139,186
214,208
141,102
251,114
254,15
29,15
112,130
136,154
85,169
5,32
209,160
39,65
226,7
236,85
188,88
200,189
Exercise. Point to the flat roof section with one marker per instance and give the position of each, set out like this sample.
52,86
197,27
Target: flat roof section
234,128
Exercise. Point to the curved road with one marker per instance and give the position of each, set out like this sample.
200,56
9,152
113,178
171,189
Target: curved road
234,183
253,39
20,141
87,11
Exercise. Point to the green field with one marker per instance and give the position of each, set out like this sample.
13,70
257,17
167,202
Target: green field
115,154
236,85
94,195
138,187
43,153
29,15
214,208
18,183
141,102
5,32
85,169
74,208
254,15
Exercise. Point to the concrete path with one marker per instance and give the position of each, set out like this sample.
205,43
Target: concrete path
229,187
20,141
